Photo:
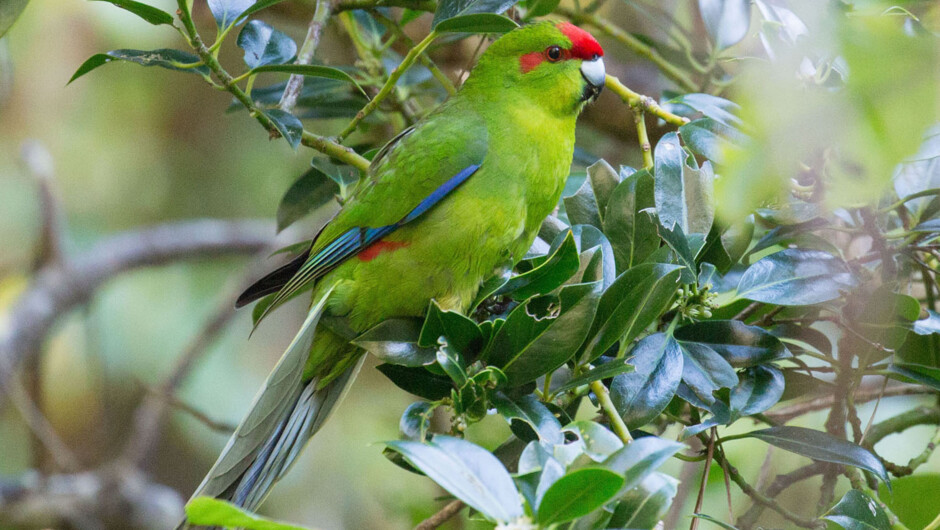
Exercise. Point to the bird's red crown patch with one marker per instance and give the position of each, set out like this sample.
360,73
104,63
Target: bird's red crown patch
583,46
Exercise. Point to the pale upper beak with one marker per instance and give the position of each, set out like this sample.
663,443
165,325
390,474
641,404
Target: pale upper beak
594,73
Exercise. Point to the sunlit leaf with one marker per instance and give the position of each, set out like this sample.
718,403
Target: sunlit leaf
216,512
577,494
796,277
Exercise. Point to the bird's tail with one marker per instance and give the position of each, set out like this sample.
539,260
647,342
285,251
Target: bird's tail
284,415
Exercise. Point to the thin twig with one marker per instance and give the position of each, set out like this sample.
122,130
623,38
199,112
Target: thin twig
785,414
645,103
705,470
296,82
449,510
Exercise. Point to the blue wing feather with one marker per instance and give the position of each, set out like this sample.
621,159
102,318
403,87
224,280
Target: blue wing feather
357,239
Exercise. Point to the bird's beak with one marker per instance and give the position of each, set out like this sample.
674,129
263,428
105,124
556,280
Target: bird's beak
594,73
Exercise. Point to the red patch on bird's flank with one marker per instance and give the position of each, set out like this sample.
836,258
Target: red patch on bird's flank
583,44
373,250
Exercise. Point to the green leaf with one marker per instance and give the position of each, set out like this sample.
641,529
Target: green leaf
716,108
536,340
637,460
603,180
164,58
708,137
596,255
704,370
929,325
530,410
548,276
228,12
646,504
216,512
857,511
287,124
741,345
476,23
915,373
796,277
452,364
309,70
395,341
635,300
265,45
149,13
643,394
451,8
609,369
540,8
258,6
726,21
416,421
596,441
928,227
683,194
760,388
461,332
417,381
311,191
821,446
582,207
9,11
577,494
714,521
676,239
632,233
466,471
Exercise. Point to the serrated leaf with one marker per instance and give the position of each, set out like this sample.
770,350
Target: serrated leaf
643,394
821,446
476,23
468,472
288,125
578,493
796,277
149,13
164,58
265,45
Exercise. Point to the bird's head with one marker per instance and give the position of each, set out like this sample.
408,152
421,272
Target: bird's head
556,64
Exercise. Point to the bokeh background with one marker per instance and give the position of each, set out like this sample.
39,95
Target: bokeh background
136,146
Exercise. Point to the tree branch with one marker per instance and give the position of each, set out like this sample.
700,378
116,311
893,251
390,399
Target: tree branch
449,510
58,288
307,49
639,102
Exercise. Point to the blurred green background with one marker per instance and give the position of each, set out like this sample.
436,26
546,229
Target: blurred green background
137,146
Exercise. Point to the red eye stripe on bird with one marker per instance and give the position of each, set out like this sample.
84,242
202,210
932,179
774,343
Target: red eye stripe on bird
583,46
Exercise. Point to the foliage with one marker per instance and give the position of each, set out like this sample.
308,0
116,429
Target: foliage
674,317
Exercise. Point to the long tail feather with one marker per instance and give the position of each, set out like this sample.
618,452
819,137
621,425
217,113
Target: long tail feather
284,415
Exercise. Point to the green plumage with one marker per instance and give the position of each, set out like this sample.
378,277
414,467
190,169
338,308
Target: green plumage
519,128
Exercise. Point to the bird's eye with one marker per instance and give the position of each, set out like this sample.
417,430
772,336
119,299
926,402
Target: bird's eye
553,53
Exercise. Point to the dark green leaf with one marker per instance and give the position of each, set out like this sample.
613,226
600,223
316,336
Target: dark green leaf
476,23
581,207
916,373
451,8
395,341
164,58
726,20
637,460
149,13
642,394
416,420
540,8
577,494
761,387
265,45
528,345
704,370
857,511
683,194
460,332
646,504
631,232
635,300
548,276
309,70
604,371
530,410
586,238
676,240
603,181
708,137
216,512
288,125
821,446
311,191
796,277
741,345
417,381
468,472
452,364
228,12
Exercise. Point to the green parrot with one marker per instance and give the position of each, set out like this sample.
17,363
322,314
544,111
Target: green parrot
442,206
